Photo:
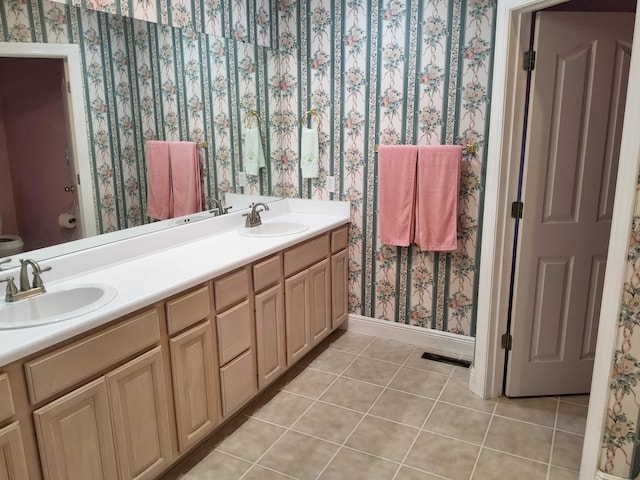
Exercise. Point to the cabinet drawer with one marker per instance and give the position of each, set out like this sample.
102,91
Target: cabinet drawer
74,363
7,408
231,289
266,273
301,257
339,239
238,382
234,331
188,309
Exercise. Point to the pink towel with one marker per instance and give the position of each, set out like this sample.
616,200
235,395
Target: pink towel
159,197
437,197
185,178
396,193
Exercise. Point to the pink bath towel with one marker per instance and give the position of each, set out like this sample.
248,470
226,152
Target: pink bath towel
185,178
437,197
396,193
159,197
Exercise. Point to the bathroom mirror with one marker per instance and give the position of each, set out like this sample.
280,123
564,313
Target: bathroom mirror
139,81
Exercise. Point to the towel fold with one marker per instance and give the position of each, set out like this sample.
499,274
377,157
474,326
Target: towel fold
396,193
253,154
173,179
438,185
159,197
185,175
309,153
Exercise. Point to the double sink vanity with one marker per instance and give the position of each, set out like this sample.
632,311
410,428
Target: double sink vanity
192,323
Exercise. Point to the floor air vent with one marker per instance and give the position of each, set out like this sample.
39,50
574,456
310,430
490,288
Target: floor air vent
449,360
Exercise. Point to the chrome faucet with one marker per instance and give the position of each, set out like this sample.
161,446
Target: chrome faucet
217,206
26,290
253,217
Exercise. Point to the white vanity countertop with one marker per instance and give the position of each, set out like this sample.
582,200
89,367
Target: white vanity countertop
142,279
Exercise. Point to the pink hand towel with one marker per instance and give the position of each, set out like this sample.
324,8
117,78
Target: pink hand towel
437,197
159,197
185,177
396,193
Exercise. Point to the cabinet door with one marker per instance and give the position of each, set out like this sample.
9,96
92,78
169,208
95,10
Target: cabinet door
339,287
319,301
140,416
238,382
270,337
194,384
13,464
296,299
75,435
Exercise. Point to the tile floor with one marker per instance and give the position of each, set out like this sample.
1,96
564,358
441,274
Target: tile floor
361,407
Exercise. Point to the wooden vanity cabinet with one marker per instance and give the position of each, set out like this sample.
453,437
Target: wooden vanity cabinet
115,426
13,462
235,331
194,366
339,276
271,346
307,296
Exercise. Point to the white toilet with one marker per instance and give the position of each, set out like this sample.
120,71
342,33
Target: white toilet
9,244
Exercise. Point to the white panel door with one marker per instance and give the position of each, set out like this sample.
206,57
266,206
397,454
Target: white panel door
578,92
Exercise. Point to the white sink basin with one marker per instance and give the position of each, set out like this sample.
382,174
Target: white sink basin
55,306
274,229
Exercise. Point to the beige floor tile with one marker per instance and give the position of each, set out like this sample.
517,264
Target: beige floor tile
310,383
382,438
500,466
560,474
371,370
457,392
328,422
349,342
420,382
567,450
458,422
402,407
450,458
538,410
415,360
572,418
280,407
408,473
351,465
353,394
332,361
261,473
217,465
299,455
519,438
462,372
388,350
189,462
250,439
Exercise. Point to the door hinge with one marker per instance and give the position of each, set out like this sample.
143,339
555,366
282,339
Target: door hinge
507,341
517,208
529,61
68,87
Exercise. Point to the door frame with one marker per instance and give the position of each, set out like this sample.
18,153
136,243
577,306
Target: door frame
70,55
509,80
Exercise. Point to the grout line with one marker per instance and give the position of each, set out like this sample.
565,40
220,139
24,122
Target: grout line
484,440
384,388
424,423
553,438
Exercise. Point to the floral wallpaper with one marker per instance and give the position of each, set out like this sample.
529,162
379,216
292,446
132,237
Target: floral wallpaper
150,81
389,72
621,455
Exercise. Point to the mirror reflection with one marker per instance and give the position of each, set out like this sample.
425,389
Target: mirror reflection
139,81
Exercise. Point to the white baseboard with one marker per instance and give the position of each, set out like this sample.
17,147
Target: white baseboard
606,476
433,341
